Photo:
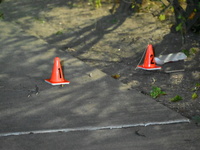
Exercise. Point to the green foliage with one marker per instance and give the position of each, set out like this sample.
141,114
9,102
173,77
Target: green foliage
195,89
189,52
1,16
181,18
162,17
132,6
96,3
179,27
194,95
197,85
193,50
186,52
176,98
72,4
156,92
59,32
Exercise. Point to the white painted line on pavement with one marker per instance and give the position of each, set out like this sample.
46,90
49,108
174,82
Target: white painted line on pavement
94,128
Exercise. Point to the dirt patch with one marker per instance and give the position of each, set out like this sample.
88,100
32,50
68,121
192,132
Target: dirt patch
115,44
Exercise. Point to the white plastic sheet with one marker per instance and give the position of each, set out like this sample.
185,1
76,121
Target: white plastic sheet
162,59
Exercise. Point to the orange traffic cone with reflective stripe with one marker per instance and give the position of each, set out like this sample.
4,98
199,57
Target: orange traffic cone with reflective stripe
57,74
149,61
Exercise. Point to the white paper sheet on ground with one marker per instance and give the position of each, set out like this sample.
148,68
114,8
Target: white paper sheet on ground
162,59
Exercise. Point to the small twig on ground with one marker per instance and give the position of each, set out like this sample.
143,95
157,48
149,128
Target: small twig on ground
172,71
35,91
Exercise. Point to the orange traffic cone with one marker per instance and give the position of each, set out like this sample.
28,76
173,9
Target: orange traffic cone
57,74
149,62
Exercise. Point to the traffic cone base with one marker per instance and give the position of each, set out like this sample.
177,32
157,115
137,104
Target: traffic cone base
149,61
57,74
56,83
149,68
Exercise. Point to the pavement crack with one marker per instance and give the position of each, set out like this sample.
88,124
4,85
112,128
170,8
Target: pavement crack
89,128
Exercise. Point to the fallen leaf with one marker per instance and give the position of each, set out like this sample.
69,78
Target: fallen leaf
116,76
191,15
